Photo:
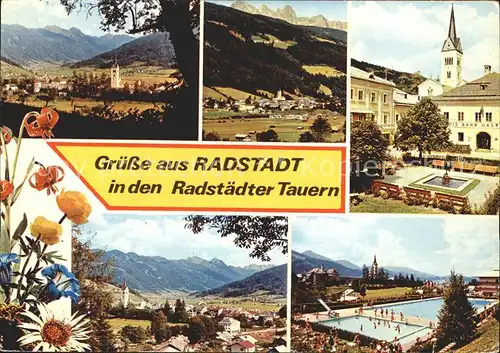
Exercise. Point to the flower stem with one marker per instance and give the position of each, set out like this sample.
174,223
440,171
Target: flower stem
23,270
63,218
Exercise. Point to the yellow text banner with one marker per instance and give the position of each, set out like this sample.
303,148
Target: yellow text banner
210,176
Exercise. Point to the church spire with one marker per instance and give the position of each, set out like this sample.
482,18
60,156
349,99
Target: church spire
452,42
452,32
375,259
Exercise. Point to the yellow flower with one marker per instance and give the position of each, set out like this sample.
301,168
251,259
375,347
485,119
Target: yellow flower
48,231
75,206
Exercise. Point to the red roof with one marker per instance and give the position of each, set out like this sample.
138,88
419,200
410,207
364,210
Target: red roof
245,344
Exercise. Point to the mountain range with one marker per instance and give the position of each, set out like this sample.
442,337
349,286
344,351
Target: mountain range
271,280
157,274
31,46
302,262
252,53
288,14
154,49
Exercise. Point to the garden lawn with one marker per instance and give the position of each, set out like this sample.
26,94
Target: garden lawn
117,324
386,292
487,342
372,204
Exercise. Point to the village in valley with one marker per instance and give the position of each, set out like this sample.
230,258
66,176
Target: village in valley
191,304
427,144
297,94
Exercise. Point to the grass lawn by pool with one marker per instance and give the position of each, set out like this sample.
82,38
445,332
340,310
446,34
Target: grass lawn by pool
372,204
386,292
487,341
117,324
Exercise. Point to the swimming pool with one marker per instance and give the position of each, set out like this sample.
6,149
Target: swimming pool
381,332
428,308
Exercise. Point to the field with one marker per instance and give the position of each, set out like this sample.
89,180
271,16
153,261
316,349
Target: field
117,324
148,75
323,70
386,293
288,130
226,92
65,105
372,204
336,290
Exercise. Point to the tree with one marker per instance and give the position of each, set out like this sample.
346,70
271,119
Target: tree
491,204
158,322
267,136
167,310
356,285
362,291
307,137
102,339
367,144
456,316
261,234
412,278
365,271
423,128
201,328
93,273
180,314
321,129
211,136
134,334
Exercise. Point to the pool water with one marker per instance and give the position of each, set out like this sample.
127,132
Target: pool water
453,184
426,309
381,332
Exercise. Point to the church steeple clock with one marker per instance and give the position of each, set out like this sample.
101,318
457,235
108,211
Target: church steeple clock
451,56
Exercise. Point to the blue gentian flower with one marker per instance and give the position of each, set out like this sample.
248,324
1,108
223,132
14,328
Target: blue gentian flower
62,283
6,261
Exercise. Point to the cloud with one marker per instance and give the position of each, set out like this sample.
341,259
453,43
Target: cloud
409,36
166,236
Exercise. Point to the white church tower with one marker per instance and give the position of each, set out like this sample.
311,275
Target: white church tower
125,294
451,57
115,75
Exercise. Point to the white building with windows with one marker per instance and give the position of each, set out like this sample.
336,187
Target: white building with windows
473,112
230,325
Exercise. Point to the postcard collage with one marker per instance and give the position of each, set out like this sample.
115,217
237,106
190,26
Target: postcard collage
250,176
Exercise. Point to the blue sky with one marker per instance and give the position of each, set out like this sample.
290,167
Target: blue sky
435,245
408,36
332,10
158,235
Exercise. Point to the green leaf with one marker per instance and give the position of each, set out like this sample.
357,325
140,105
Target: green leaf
18,190
4,239
21,228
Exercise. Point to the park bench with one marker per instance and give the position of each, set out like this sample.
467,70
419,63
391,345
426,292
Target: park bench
463,166
486,169
425,194
391,189
459,201
437,163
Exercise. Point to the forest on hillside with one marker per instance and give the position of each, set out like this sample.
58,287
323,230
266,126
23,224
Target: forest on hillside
405,81
234,59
